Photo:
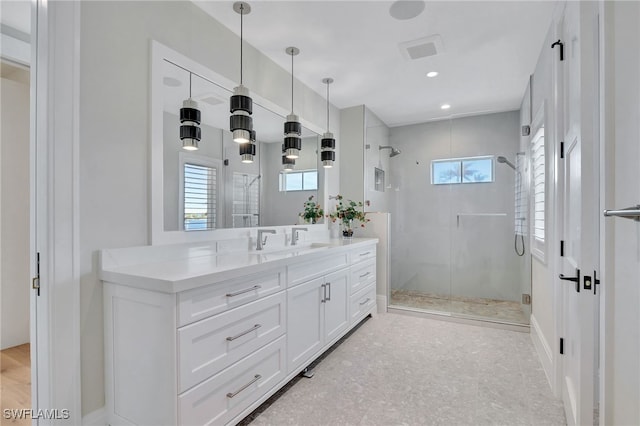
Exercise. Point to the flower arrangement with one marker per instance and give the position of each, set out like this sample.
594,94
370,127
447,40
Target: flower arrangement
347,212
312,211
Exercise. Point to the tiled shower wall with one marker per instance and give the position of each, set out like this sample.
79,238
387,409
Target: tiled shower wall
444,238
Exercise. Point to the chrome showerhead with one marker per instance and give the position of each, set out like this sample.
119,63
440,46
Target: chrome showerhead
394,151
504,160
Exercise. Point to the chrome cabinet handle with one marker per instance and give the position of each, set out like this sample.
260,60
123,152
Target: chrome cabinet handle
365,302
628,213
237,336
324,294
364,275
246,290
328,285
255,379
364,254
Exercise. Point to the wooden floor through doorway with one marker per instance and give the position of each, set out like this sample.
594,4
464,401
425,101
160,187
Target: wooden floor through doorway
15,382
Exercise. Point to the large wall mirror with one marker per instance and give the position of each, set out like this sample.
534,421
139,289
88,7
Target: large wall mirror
211,188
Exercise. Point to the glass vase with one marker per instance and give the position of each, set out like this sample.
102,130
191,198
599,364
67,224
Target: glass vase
347,230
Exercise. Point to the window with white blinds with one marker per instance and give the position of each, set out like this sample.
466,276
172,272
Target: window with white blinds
199,197
538,167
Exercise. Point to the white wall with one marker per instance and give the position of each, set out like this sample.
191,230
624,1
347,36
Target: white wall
14,212
433,252
351,153
114,132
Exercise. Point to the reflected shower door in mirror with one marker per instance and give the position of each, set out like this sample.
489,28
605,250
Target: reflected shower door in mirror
212,187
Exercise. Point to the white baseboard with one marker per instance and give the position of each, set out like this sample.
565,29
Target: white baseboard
95,418
382,303
543,349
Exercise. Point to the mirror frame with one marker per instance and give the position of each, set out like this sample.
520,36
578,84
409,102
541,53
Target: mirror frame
158,235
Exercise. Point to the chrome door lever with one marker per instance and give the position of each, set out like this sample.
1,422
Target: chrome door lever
632,212
575,279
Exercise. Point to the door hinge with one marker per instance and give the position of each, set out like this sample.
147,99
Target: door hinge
526,299
561,149
35,282
561,44
561,248
561,346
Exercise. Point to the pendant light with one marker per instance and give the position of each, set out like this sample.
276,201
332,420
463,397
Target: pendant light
287,163
190,132
292,127
248,150
328,143
241,105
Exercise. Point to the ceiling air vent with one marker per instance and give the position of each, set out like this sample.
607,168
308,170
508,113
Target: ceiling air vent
421,48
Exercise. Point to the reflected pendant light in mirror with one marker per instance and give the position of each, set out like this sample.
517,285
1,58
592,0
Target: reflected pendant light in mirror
292,127
241,105
288,163
190,132
328,143
248,150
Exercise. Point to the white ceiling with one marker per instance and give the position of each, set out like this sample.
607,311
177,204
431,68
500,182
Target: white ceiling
489,51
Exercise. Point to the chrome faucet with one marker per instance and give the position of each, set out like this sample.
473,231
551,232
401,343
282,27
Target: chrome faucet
294,234
262,242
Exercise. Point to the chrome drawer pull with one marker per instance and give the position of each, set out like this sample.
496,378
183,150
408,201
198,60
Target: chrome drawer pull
364,275
237,336
365,302
246,290
364,254
255,379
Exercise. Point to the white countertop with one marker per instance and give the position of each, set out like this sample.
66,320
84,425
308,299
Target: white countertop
192,267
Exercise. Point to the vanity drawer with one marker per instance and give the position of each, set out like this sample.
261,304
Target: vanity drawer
305,271
224,396
363,253
362,302
362,274
200,303
211,345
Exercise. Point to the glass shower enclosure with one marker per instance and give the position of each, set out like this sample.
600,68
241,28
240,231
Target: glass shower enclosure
459,219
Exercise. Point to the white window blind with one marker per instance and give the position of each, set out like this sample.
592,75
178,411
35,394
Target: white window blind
200,186
538,177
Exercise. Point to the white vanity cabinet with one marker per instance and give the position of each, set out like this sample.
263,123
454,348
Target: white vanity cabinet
194,341
318,313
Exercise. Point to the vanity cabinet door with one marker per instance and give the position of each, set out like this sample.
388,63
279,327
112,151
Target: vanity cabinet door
336,306
304,322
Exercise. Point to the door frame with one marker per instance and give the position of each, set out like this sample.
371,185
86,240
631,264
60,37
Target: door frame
54,215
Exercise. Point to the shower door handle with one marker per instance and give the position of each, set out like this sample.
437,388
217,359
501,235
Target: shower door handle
575,279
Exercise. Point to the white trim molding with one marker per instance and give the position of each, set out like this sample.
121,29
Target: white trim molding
543,349
57,74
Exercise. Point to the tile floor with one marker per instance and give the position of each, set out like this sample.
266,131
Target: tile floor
501,310
403,370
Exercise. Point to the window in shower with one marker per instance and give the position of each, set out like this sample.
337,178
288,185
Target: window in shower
538,177
462,170
303,180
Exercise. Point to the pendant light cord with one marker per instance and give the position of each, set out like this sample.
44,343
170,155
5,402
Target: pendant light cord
292,82
241,37
327,106
190,75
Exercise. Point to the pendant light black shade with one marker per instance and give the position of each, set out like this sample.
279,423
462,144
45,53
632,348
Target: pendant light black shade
292,127
190,132
327,143
240,104
248,150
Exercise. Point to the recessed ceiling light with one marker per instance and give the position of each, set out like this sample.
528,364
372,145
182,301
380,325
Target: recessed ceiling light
432,73
445,106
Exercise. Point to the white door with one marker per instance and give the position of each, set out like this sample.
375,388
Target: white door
336,307
621,182
304,322
577,79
